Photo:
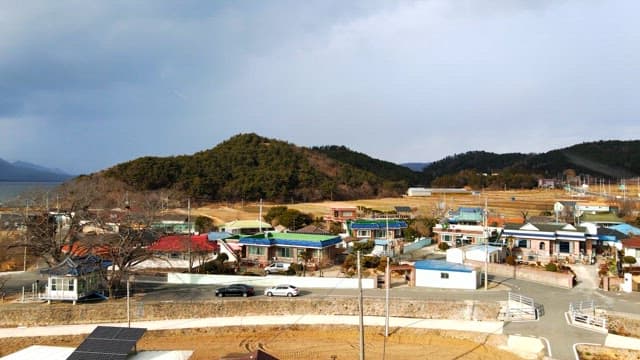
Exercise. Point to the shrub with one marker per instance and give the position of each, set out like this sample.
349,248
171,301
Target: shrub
443,246
370,262
629,259
511,260
551,267
294,269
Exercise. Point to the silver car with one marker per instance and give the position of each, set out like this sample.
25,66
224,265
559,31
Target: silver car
282,290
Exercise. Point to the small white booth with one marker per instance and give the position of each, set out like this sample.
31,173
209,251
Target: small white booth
75,279
446,275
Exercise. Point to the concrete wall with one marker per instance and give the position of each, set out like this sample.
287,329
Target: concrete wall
456,280
270,280
524,272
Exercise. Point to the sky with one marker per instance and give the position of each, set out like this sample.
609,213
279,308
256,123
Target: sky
85,85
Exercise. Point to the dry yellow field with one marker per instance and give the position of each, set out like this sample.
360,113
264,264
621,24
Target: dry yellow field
507,204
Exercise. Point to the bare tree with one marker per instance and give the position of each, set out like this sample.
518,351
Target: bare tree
3,283
46,234
125,250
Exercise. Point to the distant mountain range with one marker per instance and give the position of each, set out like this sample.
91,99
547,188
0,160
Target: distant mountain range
416,166
20,171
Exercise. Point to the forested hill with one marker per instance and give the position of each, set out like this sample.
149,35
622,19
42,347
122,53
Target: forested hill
251,167
607,159
384,169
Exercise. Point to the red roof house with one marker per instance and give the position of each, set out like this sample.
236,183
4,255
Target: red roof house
180,243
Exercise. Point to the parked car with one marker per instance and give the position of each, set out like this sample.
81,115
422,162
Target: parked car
235,290
277,267
282,290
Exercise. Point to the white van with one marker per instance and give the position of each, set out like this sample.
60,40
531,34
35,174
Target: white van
276,267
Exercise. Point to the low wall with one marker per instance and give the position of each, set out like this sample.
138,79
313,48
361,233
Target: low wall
270,280
524,272
115,310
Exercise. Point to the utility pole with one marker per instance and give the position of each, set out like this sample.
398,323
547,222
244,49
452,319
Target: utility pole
387,280
189,230
260,217
486,247
128,304
361,310
26,235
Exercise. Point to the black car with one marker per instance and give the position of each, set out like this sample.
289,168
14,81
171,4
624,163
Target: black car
235,289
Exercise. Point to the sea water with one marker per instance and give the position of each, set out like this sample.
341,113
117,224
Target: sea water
12,191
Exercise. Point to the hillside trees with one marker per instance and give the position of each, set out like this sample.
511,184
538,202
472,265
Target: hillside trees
290,218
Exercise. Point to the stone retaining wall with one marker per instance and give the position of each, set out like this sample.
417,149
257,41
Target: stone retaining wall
115,310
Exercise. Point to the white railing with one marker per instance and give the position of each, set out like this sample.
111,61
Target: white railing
583,313
521,307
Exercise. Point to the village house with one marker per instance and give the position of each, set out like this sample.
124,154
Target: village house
246,227
177,250
466,227
546,242
341,214
269,246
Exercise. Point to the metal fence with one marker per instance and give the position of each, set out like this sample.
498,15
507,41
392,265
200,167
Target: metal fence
583,313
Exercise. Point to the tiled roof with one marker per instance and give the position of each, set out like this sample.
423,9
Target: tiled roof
77,266
247,224
180,243
601,217
215,235
378,224
291,239
626,229
311,229
631,243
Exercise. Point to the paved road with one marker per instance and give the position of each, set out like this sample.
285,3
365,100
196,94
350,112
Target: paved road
552,325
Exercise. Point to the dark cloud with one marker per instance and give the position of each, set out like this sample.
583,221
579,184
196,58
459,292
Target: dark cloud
105,82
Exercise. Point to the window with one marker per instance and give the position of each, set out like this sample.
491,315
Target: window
523,243
255,250
70,285
541,246
283,252
54,284
564,246
363,233
444,275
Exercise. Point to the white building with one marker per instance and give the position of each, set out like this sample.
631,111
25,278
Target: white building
475,253
446,275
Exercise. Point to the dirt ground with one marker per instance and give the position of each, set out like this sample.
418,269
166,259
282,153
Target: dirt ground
594,352
304,342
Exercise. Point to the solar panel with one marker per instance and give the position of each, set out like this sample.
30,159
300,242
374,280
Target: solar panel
108,343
